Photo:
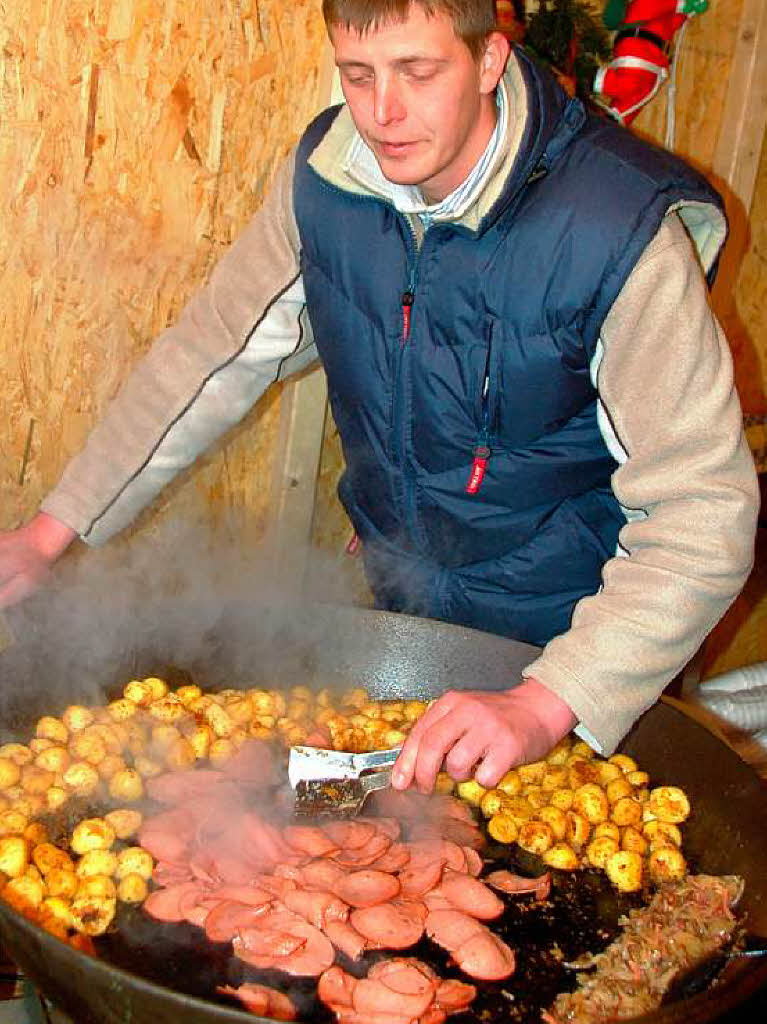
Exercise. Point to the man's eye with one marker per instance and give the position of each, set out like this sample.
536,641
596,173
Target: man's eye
358,79
421,76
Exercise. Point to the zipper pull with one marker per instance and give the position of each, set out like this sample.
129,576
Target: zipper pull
408,299
477,475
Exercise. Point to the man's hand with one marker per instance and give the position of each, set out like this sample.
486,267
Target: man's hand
482,734
27,554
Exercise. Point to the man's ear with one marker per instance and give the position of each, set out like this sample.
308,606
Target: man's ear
493,61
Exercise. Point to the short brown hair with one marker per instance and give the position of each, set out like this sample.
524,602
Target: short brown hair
473,20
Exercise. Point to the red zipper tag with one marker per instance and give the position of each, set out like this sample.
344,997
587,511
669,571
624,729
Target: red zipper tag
407,307
477,475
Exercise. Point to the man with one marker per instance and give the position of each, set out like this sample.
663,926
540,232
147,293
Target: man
536,405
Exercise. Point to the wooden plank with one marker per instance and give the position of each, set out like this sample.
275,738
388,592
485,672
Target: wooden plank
298,452
296,466
739,146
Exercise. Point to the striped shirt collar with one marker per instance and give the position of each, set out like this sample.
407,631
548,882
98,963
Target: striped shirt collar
361,165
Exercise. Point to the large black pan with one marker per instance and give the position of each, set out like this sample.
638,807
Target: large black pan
393,656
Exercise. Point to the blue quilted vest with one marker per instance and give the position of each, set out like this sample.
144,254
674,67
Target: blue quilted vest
493,366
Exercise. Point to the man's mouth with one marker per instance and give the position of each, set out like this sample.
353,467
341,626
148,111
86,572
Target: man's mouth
394,148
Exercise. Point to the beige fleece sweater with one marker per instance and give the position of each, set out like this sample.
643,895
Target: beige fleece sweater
668,411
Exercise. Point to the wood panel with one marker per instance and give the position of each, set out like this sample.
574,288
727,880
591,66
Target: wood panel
136,140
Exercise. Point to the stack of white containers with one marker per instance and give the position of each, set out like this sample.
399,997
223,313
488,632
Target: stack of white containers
739,698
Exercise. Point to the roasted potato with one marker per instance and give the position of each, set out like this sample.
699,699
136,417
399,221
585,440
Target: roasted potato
92,834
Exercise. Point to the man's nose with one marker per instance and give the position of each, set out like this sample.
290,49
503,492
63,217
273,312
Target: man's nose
388,104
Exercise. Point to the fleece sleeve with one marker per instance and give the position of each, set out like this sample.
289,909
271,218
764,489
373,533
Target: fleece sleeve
245,329
686,482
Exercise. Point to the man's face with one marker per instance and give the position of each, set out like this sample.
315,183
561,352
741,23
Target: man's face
419,99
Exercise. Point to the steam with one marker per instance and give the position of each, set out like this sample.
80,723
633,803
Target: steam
182,600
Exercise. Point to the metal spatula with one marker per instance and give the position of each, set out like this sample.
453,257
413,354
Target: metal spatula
333,781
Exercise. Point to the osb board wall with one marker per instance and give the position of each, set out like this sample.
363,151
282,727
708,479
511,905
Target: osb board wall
136,139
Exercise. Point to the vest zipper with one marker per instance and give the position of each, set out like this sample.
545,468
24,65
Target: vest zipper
481,451
408,298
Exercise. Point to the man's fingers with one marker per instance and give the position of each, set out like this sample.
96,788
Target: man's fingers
496,762
461,761
435,744
404,768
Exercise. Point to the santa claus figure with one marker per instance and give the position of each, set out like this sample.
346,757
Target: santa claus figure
642,51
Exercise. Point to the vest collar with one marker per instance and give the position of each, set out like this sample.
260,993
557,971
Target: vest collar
535,105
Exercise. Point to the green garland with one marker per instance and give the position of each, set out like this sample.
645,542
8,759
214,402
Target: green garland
549,36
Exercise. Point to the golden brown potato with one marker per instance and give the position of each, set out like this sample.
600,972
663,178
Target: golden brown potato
92,915
77,717
561,857
56,797
599,851
81,778
578,829
581,749
13,823
555,777
562,798
220,750
607,828
535,836
110,766
23,892
92,834
559,754
187,694
147,767
35,780
53,729
47,857
31,804
532,774
54,759
10,772
139,692
125,821
132,889
653,829
619,788
17,753
492,802
624,869
158,687
219,721
133,860
669,803
62,882
169,710
626,811
126,785
608,773
536,797
471,792
581,772
96,862
14,856
88,746
632,839
58,908
556,819
122,709
638,778
503,828
624,762
666,864
591,802
35,833
96,886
